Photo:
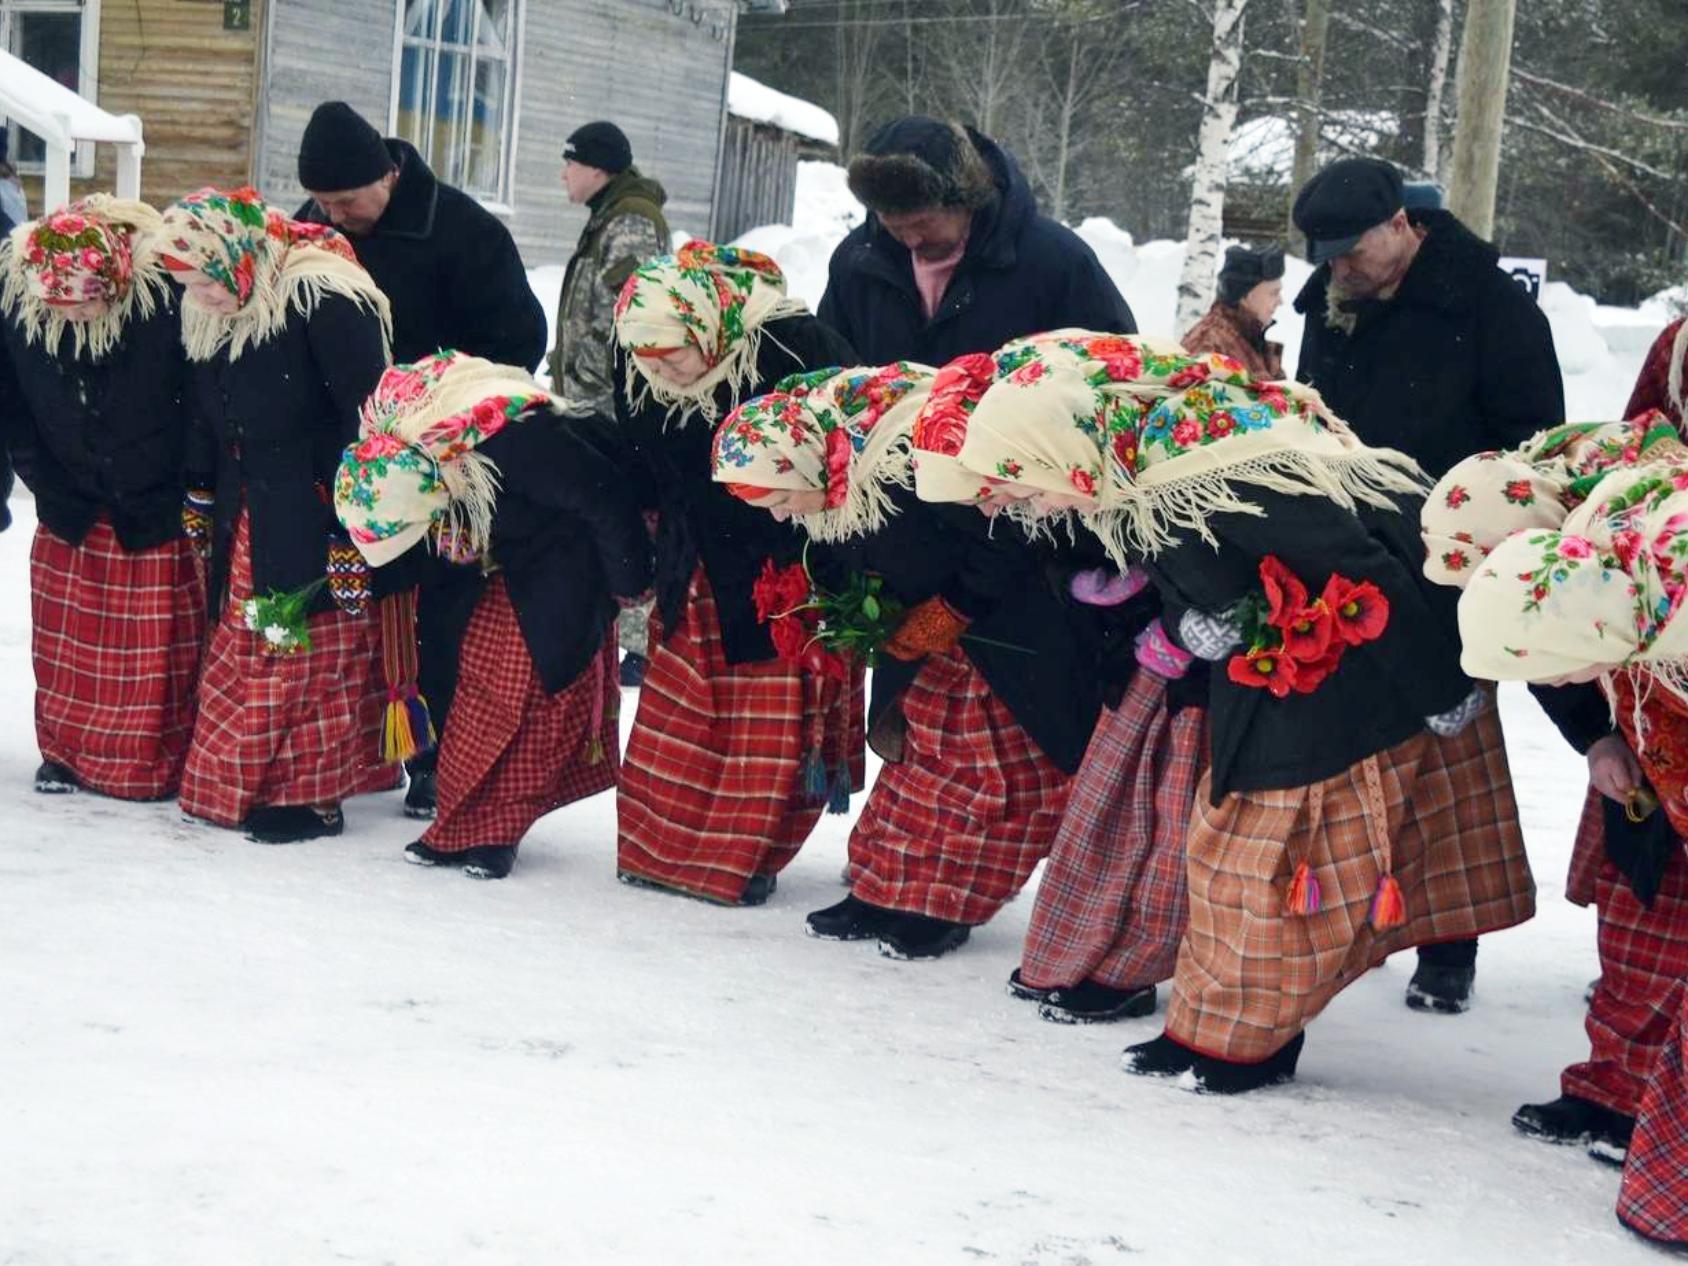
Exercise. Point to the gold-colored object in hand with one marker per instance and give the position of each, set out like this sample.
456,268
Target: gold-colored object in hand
1641,804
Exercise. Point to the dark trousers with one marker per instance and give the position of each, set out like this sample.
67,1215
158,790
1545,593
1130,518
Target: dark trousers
445,601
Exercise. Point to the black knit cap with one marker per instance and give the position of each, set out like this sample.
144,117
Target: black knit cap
601,145
340,151
1341,202
1244,269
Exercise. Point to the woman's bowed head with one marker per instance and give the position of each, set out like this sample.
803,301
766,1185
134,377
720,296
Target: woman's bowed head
1294,644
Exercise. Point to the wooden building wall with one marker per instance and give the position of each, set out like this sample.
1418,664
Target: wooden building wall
658,76
193,85
316,51
758,178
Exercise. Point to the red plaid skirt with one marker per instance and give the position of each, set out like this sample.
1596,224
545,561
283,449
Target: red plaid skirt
711,788
1588,853
1653,1199
1643,955
511,752
956,827
285,729
1112,904
116,643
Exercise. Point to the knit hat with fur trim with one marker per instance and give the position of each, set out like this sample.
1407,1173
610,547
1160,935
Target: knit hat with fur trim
916,163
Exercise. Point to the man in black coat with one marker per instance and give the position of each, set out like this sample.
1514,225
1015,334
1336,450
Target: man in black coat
455,279
954,256
1422,344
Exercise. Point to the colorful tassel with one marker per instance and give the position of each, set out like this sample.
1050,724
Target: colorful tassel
838,793
1388,907
407,730
1305,896
813,776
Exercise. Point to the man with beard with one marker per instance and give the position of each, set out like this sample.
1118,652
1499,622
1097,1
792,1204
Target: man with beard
1422,344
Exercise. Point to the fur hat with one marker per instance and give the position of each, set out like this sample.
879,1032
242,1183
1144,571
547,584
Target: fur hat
1244,269
915,163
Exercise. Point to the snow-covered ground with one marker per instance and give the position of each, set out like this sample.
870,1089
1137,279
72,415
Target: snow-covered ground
217,1052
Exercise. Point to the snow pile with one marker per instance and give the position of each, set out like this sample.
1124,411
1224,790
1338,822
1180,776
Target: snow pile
749,99
825,211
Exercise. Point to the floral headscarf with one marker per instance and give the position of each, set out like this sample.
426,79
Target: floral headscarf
712,298
414,466
1604,591
844,432
99,249
1153,440
1489,496
271,264
940,429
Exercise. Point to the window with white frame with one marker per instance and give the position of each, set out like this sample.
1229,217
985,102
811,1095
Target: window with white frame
61,39
454,99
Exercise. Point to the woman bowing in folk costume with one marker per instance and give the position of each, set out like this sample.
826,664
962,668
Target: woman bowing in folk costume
1111,905
734,751
982,700
1327,831
470,458
117,593
287,336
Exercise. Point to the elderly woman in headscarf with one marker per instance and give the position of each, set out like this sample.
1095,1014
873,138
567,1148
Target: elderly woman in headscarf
1572,580
100,436
470,458
1111,905
1325,834
733,750
286,335
981,705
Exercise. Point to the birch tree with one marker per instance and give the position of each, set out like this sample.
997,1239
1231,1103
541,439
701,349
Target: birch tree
1485,61
1213,142
1436,87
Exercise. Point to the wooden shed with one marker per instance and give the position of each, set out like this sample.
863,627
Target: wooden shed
767,133
487,89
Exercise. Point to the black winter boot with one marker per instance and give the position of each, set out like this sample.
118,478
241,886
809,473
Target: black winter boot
419,801
1020,989
913,937
757,889
1573,1121
54,779
1222,1077
489,861
1090,1003
1444,978
1158,1057
293,823
848,920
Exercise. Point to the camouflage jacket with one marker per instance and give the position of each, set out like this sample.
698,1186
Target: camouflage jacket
625,230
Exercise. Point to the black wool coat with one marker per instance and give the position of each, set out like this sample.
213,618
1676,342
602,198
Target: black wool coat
1025,638
1459,361
269,429
450,269
1381,693
106,437
699,521
1022,273
567,537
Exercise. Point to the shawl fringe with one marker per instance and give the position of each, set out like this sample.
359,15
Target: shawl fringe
884,463
306,277
737,370
1155,515
149,290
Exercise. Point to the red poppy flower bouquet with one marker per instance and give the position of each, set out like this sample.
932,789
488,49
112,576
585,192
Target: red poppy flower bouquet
820,629
1293,643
